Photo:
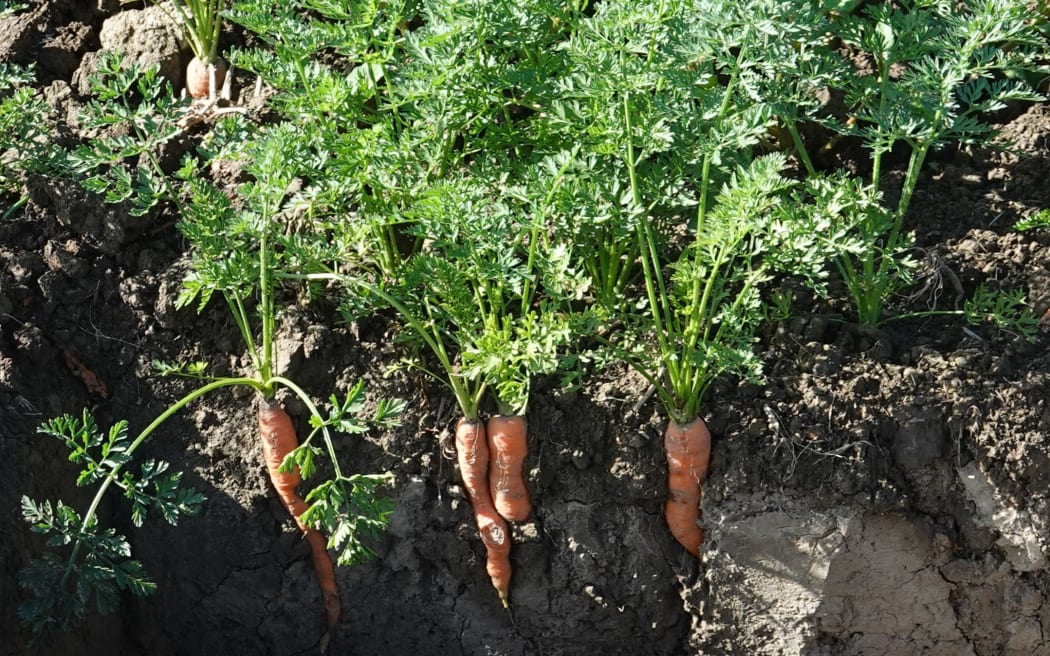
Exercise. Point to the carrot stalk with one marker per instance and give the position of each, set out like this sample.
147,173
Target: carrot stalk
688,448
472,454
278,440
508,448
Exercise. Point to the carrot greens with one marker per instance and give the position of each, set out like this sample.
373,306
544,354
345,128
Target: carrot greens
935,76
25,139
660,104
500,285
132,113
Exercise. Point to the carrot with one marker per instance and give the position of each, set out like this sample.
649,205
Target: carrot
278,440
508,448
688,448
496,538
472,454
198,77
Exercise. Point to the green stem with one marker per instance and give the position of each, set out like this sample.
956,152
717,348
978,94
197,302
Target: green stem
644,369
240,317
201,24
313,410
14,208
266,307
698,316
446,153
659,303
854,284
876,170
686,379
705,173
697,301
876,279
911,180
620,269
468,399
800,147
528,289
530,264
172,195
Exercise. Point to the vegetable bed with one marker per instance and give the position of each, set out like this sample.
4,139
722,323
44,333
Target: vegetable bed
879,447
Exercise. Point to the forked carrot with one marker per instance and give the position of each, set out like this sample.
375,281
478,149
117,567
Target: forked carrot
688,448
472,454
508,448
278,440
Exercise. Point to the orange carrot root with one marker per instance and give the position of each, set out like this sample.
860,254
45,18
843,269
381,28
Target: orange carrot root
494,535
688,450
472,453
508,448
279,439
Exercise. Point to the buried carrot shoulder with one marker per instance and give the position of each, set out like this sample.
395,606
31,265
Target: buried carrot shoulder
508,449
688,448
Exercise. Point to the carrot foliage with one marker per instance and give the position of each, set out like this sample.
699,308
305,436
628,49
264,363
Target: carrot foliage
1037,220
407,191
133,112
935,74
62,596
666,100
497,284
27,143
363,170
100,565
346,508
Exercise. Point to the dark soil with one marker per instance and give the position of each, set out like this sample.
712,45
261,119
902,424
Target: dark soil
885,492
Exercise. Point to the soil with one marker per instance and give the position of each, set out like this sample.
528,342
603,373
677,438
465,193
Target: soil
885,492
